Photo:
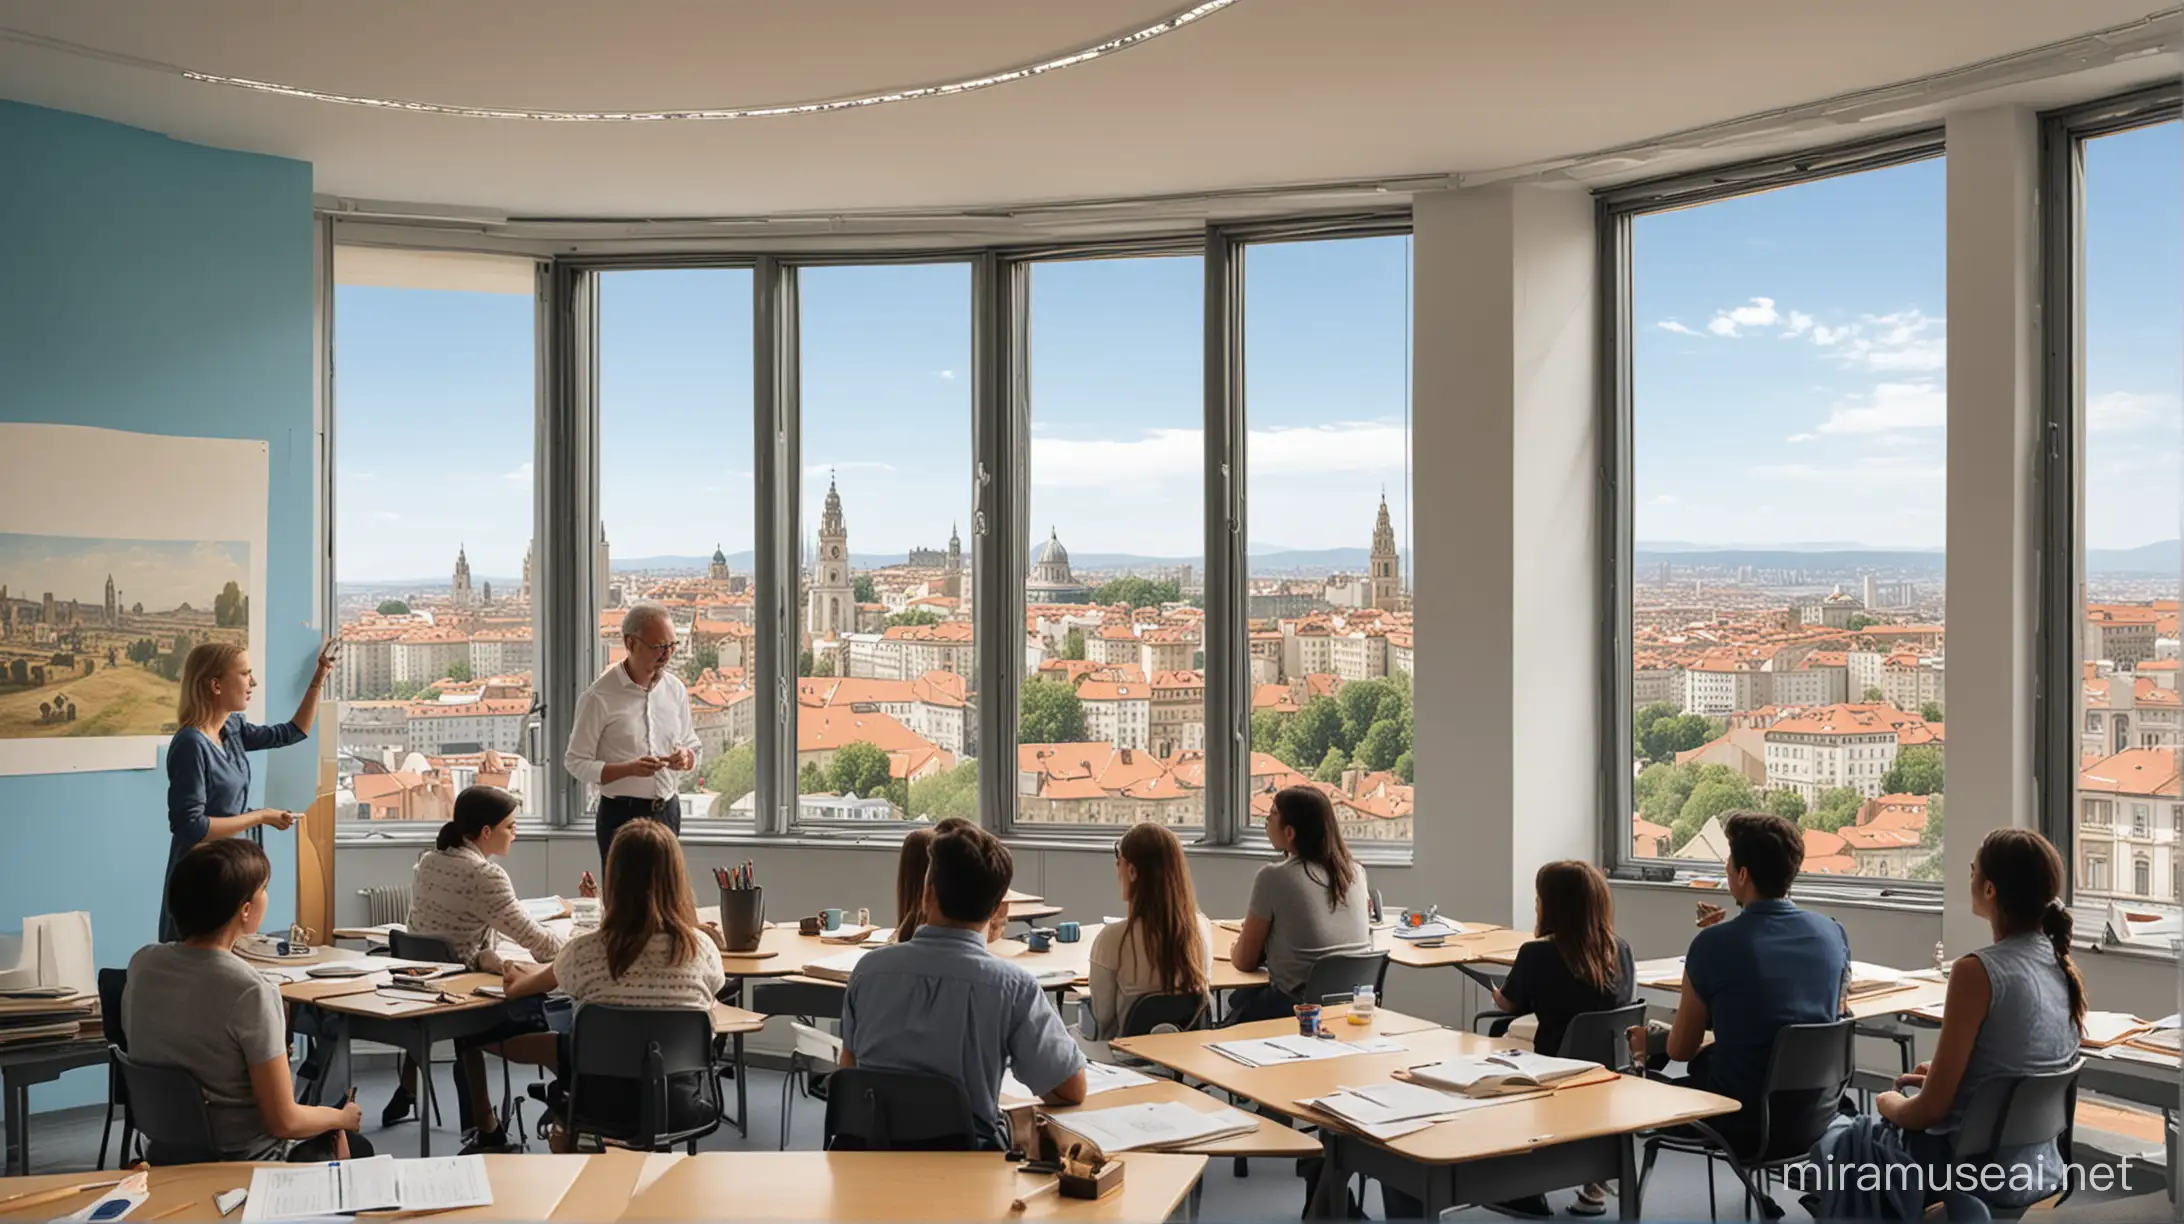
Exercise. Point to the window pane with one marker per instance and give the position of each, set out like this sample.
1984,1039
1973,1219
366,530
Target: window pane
432,541
1788,431
676,501
2129,492
1327,375
887,702
1113,722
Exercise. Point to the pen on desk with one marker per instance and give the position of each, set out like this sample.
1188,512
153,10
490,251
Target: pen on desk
1047,1188
33,1198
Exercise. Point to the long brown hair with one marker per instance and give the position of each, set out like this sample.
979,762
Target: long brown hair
477,809
1577,915
2027,875
646,893
1163,909
1310,819
910,882
203,665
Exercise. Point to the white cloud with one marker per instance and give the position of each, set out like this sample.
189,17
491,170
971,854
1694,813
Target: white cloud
1759,312
1662,499
1802,437
1162,455
1799,323
1673,326
1824,336
2116,411
1907,341
522,473
1872,471
1889,407
944,375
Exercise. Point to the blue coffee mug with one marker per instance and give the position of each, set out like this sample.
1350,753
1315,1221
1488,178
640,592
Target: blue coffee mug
1067,932
1039,939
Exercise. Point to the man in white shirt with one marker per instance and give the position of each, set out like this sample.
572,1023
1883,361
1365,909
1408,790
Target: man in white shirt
633,738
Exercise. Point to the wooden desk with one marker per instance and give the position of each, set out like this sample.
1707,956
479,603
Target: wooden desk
525,1187
1479,942
1271,1139
353,1010
1654,976
609,1181
889,1186
38,1062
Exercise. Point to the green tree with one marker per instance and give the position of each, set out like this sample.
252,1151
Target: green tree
732,775
1137,592
1930,837
1928,868
859,768
143,651
405,689
1367,703
1917,771
915,616
861,590
1836,808
1382,745
1073,644
1332,765
1677,733
700,661
823,665
1049,713
1787,804
1873,696
811,780
1266,730
803,663
1716,796
1931,712
1859,620
1641,723
459,671
229,608
1404,768
1310,733
1660,791
393,607
953,792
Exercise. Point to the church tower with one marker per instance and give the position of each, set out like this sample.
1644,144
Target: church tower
112,604
718,570
1387,580
459,588
833,609
955,550
527,570
603,570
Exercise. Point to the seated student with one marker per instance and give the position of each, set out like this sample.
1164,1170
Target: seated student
1747,978
910,883
1313,904
2015,1007
1577,964
1164,946
943,1005
459,894
197,1006
650,950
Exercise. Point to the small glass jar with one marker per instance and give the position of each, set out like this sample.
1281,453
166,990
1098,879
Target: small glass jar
1363,1003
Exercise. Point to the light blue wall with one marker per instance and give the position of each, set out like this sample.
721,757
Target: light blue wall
152,285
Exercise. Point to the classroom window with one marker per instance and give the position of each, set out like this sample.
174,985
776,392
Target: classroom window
1112,711
2119,408
676,502
1326,342
1782,511
886,706
432,489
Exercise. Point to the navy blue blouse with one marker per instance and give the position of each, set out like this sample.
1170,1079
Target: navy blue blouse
207,779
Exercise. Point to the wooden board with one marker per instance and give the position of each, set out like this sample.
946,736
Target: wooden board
525,1187
889,1186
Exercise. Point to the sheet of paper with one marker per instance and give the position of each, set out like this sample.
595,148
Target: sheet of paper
1154,1124
1271,1051
341,1187
118,1202
1394,1101
1105,1077
442,1183
2106,1027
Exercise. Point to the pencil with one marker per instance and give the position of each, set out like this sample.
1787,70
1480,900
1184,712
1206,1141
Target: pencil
33,1198
1023,1202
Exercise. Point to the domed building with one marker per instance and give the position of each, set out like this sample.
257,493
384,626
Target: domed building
718,570
1051,582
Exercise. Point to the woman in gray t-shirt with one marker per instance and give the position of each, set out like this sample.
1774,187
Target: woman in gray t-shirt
1307,907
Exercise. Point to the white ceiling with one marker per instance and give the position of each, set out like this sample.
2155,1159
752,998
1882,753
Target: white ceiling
1266,92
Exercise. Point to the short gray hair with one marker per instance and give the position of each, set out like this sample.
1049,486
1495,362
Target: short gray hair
633,621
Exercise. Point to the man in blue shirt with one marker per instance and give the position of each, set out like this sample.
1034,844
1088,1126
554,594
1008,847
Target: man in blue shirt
942,1004
1746,978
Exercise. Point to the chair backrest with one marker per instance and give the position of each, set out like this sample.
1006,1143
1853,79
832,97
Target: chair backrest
1598,1036
899,1111
1807,1074
647,1048
1181,1013
408,945
1343,973
168,1108
111,983
2019,1111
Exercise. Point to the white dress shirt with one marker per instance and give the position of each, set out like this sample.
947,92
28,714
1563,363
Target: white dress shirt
617,721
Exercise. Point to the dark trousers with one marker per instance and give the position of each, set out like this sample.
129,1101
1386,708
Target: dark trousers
1258,1003
615,811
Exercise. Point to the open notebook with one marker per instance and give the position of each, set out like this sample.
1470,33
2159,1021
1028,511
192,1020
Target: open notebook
1154,1126
1488,1075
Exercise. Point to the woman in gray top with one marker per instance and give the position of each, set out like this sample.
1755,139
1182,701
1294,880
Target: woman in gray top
2015,1008
1310,906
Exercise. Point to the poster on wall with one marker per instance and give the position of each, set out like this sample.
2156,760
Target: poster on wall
119,552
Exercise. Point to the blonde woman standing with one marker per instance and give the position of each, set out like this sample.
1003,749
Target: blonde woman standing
208,762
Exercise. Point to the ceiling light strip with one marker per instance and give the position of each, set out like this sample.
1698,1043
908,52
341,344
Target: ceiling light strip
1121,42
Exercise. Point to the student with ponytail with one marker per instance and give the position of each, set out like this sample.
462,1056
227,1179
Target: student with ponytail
1312,905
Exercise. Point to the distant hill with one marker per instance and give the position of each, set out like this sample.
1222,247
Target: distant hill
2151,559
2157,558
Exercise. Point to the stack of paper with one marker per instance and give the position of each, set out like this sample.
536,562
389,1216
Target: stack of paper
835,968
1153,1126
1439,928
380,1183
1489,1075
45,1014
1667,971
1393,1109
847,933
2104,1028
1274,1051
1098,1078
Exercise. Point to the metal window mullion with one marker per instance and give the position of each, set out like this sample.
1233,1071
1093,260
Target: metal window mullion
1614,236
565,518
1000,415
1228,640
776,445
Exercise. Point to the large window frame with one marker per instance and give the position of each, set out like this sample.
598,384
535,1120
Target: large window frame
1617,210
566,502
2060,628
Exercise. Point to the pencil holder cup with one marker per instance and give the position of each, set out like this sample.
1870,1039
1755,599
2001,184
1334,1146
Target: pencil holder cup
742,917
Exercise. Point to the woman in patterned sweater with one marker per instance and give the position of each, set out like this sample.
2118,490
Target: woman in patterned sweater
650,951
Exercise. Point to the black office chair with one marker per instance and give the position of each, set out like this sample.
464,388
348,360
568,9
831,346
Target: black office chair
2018,1112
1343,974
1171,1013
168,1107
1596,1036
1808,1072
111,983
810,1003
642,1077
903,1111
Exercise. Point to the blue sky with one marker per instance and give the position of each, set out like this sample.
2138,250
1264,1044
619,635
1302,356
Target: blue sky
160,574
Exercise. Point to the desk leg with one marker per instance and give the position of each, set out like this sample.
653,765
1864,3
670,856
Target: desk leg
1192,1200
1626,1190
17,1097
421,1050
743,1090
1331,1197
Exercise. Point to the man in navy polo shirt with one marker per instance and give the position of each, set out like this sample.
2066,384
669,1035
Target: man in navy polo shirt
1746,978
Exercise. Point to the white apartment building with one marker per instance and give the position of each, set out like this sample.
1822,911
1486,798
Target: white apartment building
1908,682
2124,636
502,652
1820,750
1715,689
2130,828
1112,646
2125,711
1652,684
1399,653
1811,686
1118,712
472,724
1307,649
422,656
1864,668
1358,655
367,667
1164,649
